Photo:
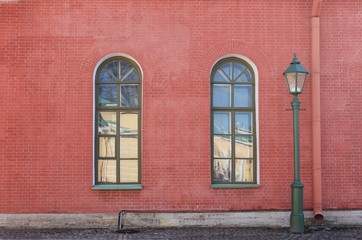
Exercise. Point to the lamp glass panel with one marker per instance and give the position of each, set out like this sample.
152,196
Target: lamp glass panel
291,79
300,82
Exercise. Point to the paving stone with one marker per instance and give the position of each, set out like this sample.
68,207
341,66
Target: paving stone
345,233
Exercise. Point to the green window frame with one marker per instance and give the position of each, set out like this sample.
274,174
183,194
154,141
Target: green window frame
118,109
233,124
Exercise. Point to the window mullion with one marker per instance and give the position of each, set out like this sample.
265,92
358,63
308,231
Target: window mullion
233,146
117,147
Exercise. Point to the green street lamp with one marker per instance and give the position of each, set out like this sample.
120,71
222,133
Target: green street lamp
295,76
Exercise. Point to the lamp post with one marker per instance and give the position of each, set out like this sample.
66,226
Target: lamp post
295,76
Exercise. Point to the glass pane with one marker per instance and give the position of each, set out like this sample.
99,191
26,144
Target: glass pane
238,68
222,123
128,123
227,68
222,170
107,95
125,67
129,171
128,147
300,82
107,146
131,76
112,67
105,77
221,95
242,96
291,81
129,95
107,171
243,123
220,76
107,122
243,146
245,77
222,146
244,170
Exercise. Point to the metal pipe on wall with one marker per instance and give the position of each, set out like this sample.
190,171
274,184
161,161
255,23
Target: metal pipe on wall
316,126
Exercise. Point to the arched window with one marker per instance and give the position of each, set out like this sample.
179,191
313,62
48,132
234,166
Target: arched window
118,101
233,123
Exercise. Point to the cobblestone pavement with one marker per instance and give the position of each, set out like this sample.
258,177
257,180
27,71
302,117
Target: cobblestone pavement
340,233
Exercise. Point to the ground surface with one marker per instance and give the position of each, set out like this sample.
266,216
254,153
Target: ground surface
341,233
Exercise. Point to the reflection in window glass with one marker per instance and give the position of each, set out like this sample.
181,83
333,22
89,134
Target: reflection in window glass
130,76
112,67
220,76
238,68
243,146
244,77
233,132
222,170
105,77
107,146
222,123
128,171
242,96
128,147
227,68
221,95
243,123
244,170
107,95
128,123
222,146
117,122
107,122
107,171
129,95
125,68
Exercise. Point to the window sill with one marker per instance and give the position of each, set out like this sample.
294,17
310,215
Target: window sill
118,187
235,186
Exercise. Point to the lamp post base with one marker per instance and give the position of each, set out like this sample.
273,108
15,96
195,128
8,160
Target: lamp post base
297,216
297,222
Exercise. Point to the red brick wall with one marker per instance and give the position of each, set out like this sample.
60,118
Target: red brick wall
49,50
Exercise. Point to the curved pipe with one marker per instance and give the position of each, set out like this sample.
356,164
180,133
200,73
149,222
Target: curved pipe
316,126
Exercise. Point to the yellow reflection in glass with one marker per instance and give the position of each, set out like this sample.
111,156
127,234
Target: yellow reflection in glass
244,171
128,123
107,147
107,171
129,171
